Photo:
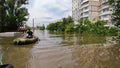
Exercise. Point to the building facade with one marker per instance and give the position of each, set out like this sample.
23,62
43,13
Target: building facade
91,9
105,10
75,9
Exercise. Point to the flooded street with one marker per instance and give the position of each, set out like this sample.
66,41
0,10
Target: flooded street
62,51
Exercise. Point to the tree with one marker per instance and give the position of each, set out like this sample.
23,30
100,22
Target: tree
84,25
12,14
16,13
41,27
70,19
99,27
70,28
115,5
66,21
61,26
51,26
2,14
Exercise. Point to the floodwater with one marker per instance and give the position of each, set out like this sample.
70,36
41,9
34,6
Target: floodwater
62,51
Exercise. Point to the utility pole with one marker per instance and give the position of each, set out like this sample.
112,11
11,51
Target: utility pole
33,25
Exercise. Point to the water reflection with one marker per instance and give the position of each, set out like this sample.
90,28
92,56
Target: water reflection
49,53
54,57
16,56
77,39
63,51
96,56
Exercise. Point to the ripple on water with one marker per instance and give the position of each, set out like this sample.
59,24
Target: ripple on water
51,57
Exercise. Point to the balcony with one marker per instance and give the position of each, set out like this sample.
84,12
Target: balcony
83,6
84,1
105,13
104,1
105,18
85,11
84,16
103,7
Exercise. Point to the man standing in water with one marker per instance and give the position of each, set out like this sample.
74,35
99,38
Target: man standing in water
30,34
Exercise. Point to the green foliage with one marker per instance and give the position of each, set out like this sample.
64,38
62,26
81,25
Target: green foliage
113,31
60,26
51,26
65,22
98,27
84,27
70,28
12,14
87,27
111,2
41,27
115,5
2,15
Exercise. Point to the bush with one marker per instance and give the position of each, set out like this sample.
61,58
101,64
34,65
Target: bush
70,28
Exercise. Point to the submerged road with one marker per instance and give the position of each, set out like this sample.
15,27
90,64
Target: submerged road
62,51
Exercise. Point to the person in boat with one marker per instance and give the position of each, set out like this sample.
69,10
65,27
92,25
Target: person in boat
29,34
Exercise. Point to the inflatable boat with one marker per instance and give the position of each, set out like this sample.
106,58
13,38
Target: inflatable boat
23,41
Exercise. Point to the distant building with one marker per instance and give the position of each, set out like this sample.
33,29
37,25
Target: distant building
91,9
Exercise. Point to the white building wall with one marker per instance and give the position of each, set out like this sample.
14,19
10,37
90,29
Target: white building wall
92,9
105,13
75,10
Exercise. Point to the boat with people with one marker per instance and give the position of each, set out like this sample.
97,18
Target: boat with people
25,40
30,38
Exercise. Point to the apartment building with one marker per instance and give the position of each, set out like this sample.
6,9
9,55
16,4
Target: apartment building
105,10
91,9
75,9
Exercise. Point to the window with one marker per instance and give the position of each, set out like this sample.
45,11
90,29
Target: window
86,8
105,10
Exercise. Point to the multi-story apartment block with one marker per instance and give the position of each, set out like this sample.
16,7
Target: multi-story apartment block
75,9
105,12
92,9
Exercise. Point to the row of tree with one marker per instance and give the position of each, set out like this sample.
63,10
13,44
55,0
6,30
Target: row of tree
41,27
62,25
98,27
83,26
115,8
86,26
12,14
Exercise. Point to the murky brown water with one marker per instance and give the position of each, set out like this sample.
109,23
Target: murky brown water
62,51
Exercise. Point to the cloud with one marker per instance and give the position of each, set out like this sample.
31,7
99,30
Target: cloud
46,11
47,18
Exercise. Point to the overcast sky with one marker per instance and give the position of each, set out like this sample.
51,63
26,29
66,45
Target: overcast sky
46,11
